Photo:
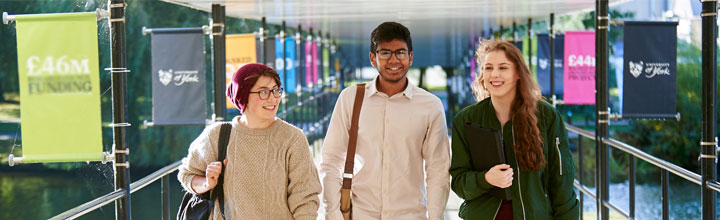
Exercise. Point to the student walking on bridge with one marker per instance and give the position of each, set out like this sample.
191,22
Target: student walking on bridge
269,172
401,138
539,170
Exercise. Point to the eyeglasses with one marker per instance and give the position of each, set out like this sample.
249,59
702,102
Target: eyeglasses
265,93
401,54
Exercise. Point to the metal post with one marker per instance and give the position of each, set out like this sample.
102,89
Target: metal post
708,144
119,79
218,45
514,32
665,182
285,64
165,193
631,177
601,106
298,75
530,37
263,51
580,169
501,33
551,37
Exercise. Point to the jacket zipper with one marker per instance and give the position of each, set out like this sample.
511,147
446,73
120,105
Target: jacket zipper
498,209
519,185
557,146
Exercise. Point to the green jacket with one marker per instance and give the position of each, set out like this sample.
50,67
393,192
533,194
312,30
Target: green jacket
544,194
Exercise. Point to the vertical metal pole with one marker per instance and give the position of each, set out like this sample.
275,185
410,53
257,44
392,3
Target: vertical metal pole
601,106
263,50
551,37
165,193
218,45
331,65
581,170
501,33
298,75
631,178
708,144
285,65
119,83
665,182
515,37
530,37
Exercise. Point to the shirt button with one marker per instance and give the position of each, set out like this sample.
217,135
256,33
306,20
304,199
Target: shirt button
385,190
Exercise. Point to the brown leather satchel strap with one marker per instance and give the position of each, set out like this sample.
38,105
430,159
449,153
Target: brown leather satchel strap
352,142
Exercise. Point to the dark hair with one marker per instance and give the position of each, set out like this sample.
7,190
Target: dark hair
389,31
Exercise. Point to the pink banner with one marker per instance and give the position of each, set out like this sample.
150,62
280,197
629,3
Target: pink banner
579,68
315,62
308,62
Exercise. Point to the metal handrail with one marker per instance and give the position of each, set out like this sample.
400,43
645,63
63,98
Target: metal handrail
90,206
147,180
580,131
679,171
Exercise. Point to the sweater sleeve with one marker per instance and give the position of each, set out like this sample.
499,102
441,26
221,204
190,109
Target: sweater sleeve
303,183
467,183
561,167
202,151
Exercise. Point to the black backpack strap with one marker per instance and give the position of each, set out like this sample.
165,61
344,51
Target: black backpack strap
222,145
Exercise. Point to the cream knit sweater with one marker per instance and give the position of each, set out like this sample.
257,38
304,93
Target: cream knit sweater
270,172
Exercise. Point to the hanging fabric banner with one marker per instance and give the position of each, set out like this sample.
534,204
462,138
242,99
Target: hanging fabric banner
579,68
59,77
289,65
178,77
271,53
308,62
533,50
543,64
518,44
326,65
315,62
240,49
650,68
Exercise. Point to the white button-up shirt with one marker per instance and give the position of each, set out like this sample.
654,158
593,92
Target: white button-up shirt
402,156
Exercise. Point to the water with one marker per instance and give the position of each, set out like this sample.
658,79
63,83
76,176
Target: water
31,195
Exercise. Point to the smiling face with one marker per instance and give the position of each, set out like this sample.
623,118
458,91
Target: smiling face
499,76
393,69
258,109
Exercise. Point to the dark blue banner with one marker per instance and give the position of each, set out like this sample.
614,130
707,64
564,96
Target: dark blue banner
178,77
543,65
518,44
650,68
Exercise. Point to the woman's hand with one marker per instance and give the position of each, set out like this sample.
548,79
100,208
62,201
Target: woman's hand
500,175
202,184
212,173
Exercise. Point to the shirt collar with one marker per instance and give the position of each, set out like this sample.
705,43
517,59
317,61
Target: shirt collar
408,92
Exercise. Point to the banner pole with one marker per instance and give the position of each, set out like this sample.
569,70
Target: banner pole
283,42
530,37
601,106
218,44
552,59
119,79
708,145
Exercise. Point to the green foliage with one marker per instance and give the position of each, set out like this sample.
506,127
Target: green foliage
150,146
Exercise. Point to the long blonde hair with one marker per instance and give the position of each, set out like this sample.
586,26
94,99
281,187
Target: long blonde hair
528,145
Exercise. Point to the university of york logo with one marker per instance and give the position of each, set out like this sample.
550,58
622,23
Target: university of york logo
165,76
636,68
543,63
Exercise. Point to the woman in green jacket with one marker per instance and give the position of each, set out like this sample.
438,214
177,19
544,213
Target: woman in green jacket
539,170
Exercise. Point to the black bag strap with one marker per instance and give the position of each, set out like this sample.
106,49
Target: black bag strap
222,145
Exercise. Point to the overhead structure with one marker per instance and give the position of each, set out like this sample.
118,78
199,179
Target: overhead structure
438,28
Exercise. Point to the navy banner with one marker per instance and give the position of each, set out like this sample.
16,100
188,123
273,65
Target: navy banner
178,76
543,65
650,68
518,44
270,53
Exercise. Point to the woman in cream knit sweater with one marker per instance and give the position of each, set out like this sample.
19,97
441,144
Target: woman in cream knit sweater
269,172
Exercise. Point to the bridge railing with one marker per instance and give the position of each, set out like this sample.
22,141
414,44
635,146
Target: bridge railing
665,169
310,114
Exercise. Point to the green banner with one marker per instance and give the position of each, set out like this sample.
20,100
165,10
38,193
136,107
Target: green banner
59,87
326,65
533,69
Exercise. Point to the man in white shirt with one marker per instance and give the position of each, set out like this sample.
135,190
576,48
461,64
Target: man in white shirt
403,155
